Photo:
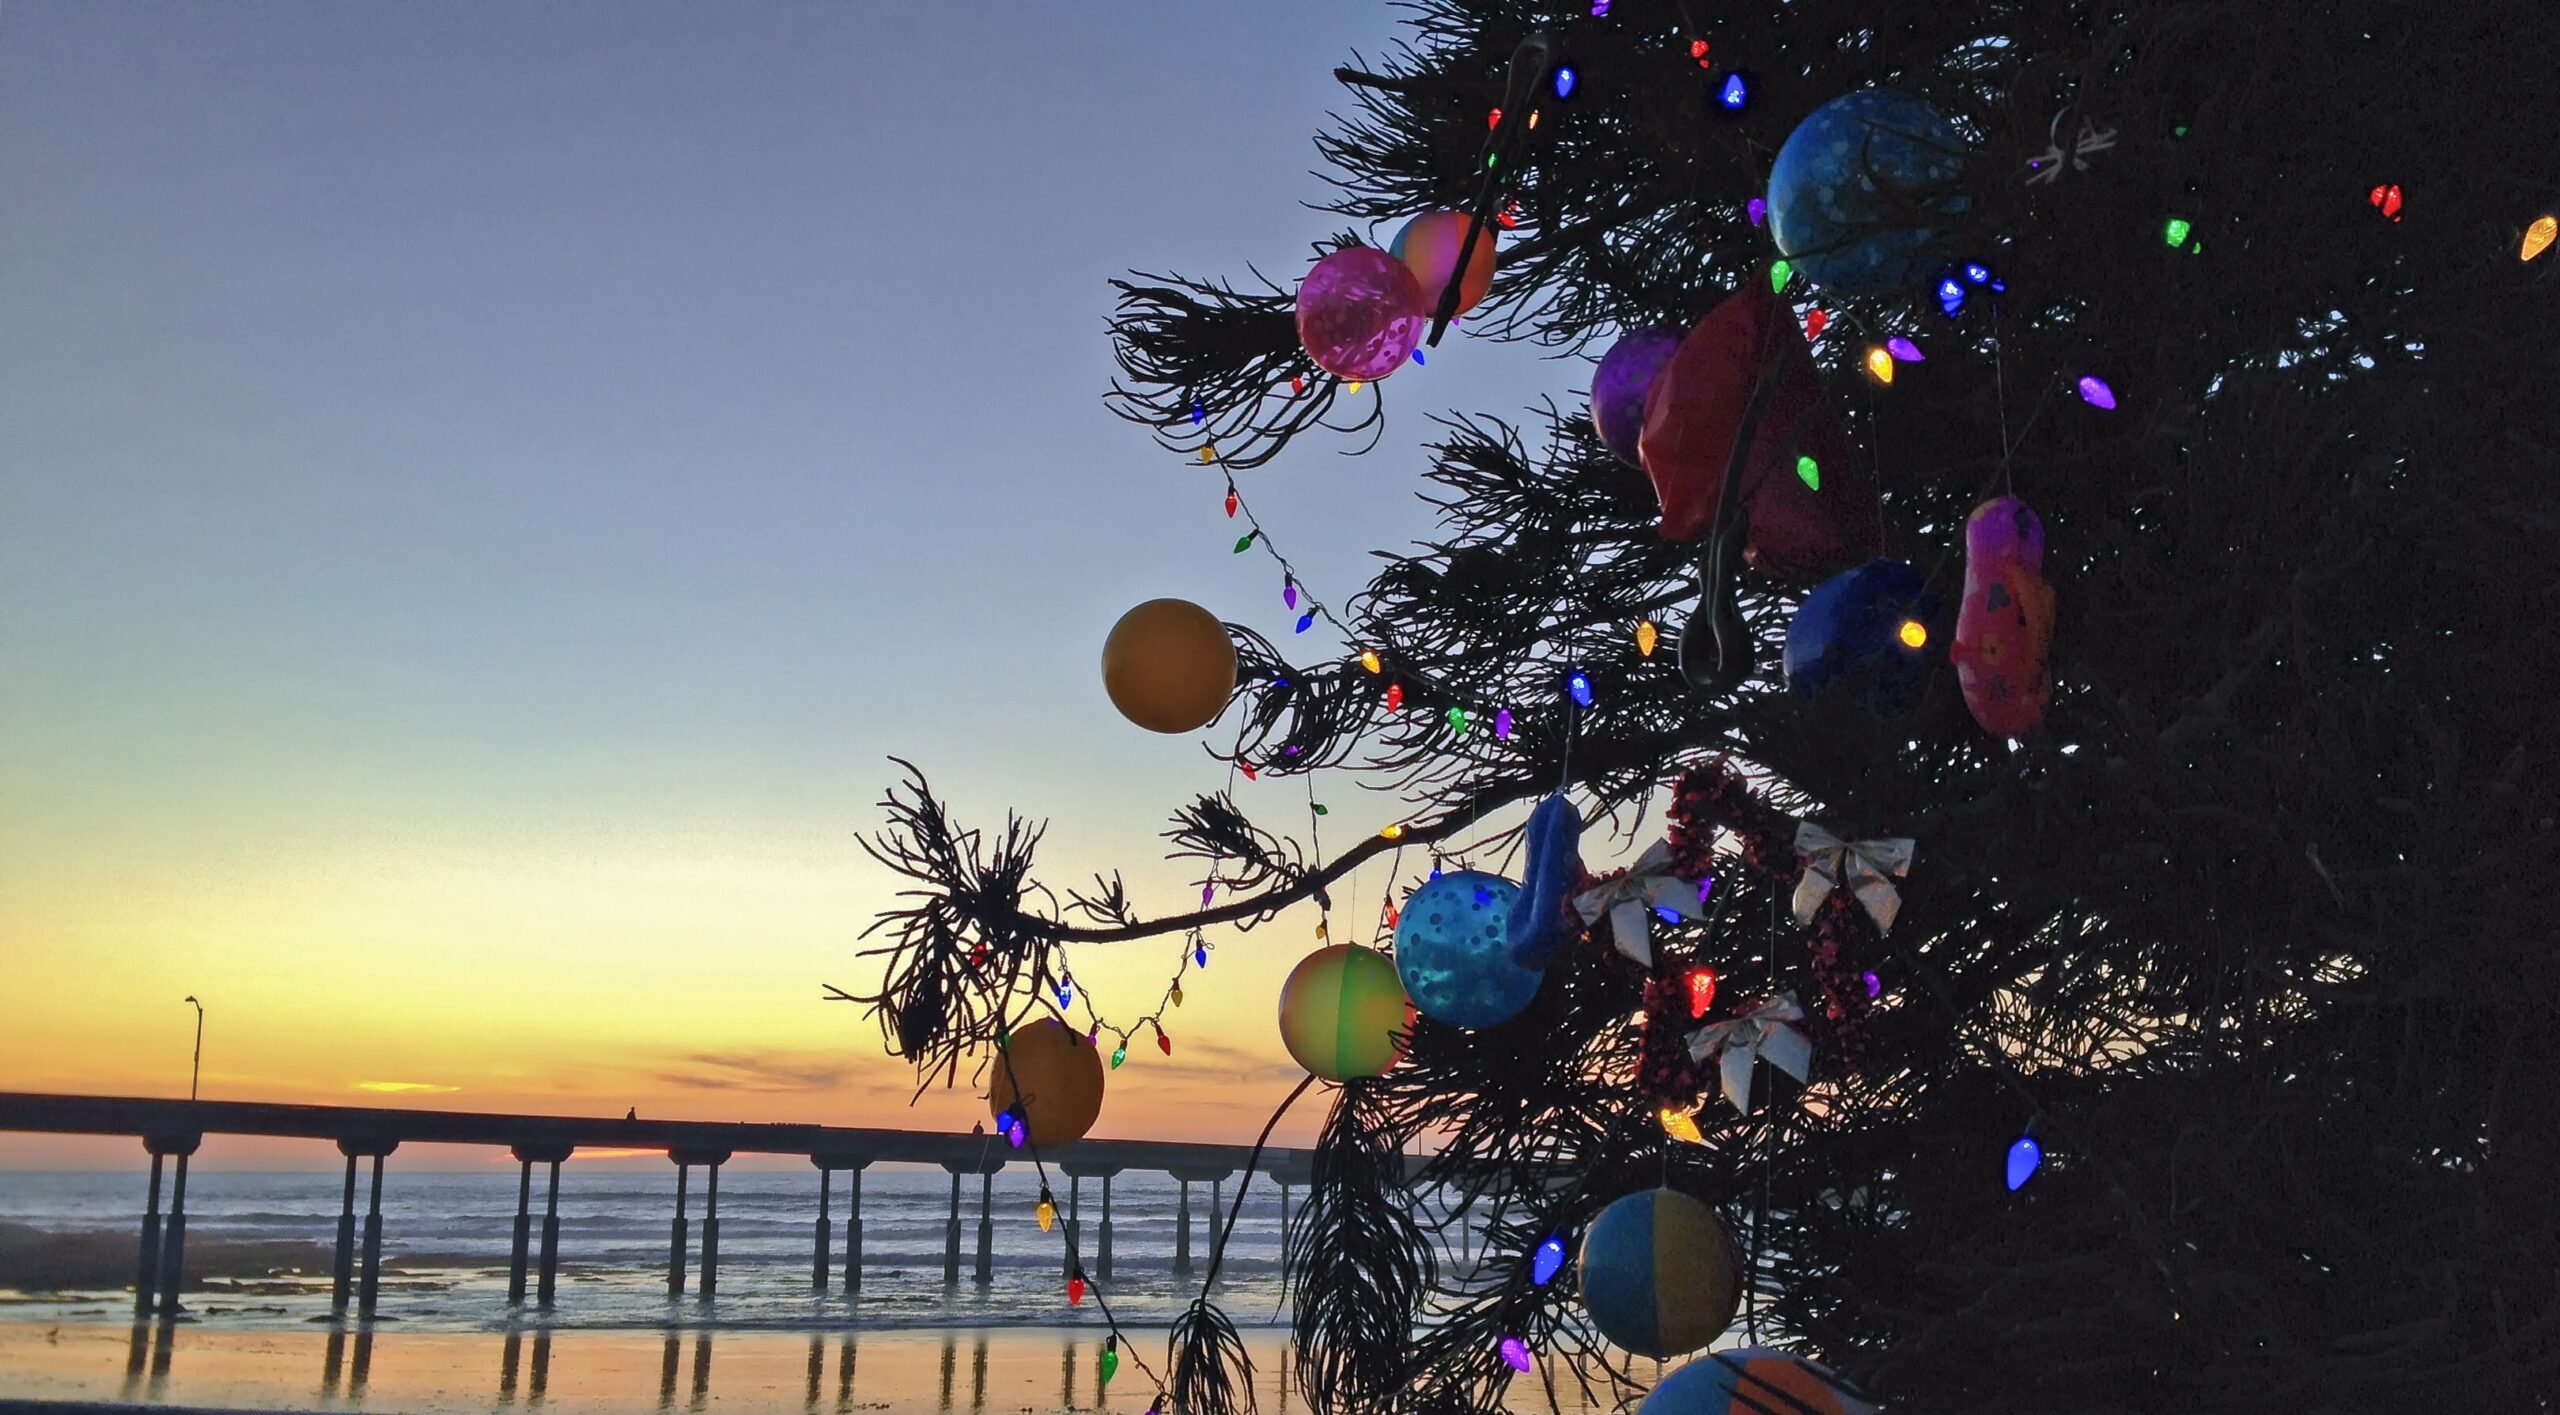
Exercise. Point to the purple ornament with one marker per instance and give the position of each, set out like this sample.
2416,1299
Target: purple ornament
1361,313
1618,389
2096,393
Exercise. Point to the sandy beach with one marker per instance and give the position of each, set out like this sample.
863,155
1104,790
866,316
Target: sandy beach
575,1372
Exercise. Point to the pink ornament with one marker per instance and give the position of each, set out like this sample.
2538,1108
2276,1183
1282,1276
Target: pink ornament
1361,313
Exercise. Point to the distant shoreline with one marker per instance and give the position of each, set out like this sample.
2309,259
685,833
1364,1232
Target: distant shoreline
40,1260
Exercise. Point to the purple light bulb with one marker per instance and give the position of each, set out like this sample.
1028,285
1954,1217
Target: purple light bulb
1515,1354
2096,393
1904,350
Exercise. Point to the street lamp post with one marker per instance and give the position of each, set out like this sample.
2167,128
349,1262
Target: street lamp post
197,1070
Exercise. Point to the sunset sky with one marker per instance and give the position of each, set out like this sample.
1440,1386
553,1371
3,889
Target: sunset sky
486,488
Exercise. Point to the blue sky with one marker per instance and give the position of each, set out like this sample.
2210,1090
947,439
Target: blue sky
586,436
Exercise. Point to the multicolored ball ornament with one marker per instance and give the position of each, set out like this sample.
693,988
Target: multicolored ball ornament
1873,631
1847,182
1537,926
1169,666
1343,1013
1428,246
2005,625
1454,953
1361,313
1051,1076
1618,388
1751,1381
1659,1273
1800,528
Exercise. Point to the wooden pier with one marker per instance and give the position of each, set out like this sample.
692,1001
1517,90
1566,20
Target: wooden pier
367,1135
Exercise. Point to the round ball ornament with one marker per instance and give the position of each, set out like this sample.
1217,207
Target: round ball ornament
1848,181
1748,1381
1360,313
1875,631
1618,388
1169,666
1343,1013
1454,953
1659,1275
1051,1076
1428,246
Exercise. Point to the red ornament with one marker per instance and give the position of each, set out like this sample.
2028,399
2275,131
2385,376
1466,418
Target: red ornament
1075,1290
1694,410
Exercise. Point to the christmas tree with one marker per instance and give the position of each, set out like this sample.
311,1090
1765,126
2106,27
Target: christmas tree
2180,1042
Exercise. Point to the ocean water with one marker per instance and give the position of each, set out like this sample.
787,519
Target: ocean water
446,1239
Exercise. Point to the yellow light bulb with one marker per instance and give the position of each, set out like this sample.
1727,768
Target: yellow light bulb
1533,120
1175,997
1913,634
1679,1126
1648,635
2539,236
1880,364
1047,1213
1355,385
1207,455
1393,832
1369,660
1323,934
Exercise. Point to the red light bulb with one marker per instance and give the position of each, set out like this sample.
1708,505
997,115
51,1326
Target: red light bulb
1395,697
1815,322
1163,1043
1702,991
1075,1290
1231,505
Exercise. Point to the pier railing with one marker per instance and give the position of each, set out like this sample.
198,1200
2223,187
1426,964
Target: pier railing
173,1129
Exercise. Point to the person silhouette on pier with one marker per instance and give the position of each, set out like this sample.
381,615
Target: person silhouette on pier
632,1114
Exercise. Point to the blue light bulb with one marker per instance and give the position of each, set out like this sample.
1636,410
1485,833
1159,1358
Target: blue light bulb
1548,1261
1578,683
1417,357
1199,415
1200,956
1565,79
1951,297
1734,94
1978,273
2025,1158
1306,621
1667,915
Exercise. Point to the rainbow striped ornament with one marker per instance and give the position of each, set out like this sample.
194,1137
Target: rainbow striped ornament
1659,1275
1343,1013
1748,1382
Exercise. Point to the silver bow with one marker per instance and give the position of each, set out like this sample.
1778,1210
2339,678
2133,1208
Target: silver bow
1868,867
1758,1033
1630,900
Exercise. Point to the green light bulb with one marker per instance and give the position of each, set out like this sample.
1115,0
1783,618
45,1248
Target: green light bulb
1119,1054
1778,273
1810,471
1110,1363
2178,230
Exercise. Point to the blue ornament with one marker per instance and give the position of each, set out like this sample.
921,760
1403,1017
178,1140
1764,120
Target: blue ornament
1847,181
1875,629
1453,955
1536,928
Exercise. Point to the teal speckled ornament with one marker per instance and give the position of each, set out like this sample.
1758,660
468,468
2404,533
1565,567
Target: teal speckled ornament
1853,185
